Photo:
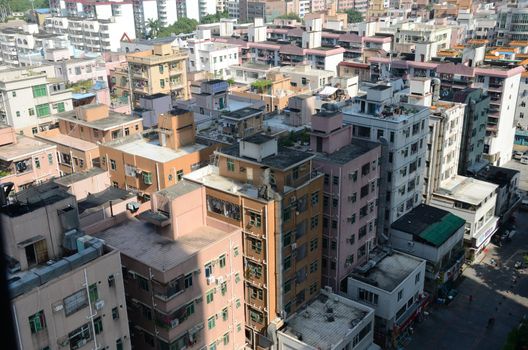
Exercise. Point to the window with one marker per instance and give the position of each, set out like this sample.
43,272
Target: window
18,113
315,198
365,169
417,278
98,325
43,110
368,296
353,176
79,337
237,277
75,302
335,202
60,107
92,293
115,313
209,297
187,281
314,221
255,316
237,303
230,165
286,214
147,177
225,314
335,180
143,283
211,323
50,158
333,245
255,219
222,261
313,244
162,83
113,165
119,344
364,191
287,263
313,288
37,322
287,239
40,90
31,111
179,174
400,295
313,266
226,338
13,93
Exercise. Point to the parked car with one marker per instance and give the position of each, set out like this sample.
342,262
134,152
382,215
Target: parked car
524,158
517,155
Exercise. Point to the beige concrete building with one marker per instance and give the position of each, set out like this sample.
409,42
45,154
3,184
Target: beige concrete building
25,161
161,70
149,163
66,288
274,195
183,273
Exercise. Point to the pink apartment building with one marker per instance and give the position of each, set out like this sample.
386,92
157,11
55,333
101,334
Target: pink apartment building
352,171
183,273
25,161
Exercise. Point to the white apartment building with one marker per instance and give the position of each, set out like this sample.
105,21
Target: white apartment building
521,113
162,10
407,34
392,283
74,70
304,75
212,57
502,85
233,9
195,9
403,128
30,99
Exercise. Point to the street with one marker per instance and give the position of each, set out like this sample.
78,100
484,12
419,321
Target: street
463,323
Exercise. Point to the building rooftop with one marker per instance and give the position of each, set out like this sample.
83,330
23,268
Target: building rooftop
25,147
429,225
258,139
35,197
69,179
241,114
467,190
181,188
113,120
311,325
55,136
498,175
141,241
283,160
138,146
389,271
95,200
349,152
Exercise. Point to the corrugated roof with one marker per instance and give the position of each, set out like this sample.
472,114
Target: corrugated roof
440,231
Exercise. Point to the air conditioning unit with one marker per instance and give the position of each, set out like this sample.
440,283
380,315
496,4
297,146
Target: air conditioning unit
293,199
220,280
58,307
174,322
64,341
294,246
211,280
99,304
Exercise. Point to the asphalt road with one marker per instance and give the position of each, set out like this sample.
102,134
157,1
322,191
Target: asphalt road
463,324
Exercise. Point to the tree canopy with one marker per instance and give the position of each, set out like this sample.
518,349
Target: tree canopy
354,16
214,18
291,15
23,5
517,338
183,25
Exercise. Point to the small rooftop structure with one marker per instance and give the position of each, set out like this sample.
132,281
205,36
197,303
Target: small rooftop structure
429,225
108,122
349,152
96,200
241,114
387,270
498,175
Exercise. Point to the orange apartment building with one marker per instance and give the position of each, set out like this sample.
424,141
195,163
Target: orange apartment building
160,70
274,195
146,164
25,161
82,129
183,273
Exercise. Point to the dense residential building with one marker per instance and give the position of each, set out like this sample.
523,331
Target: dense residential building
150,107
66,288
268,10
31,98
274,195
403,129
521,113
163,11
511,19
184,273
392,283
350,195
162,70
148,163
309,329
25,161
437,236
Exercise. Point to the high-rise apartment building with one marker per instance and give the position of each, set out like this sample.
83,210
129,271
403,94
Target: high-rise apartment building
402,129
274,195
163,11
66,288
350,195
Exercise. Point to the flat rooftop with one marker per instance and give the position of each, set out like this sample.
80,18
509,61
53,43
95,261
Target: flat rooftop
390,271
69,179
138,146
312,325
498,175
283,160
467,189
241,114
350,152
112,121
25,147
178,190
67,140
429,225
95,200
142,242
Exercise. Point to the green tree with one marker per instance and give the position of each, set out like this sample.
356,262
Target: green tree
354,16
261,85
517,338
154,27
230,81
183,25
291,15
213,18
